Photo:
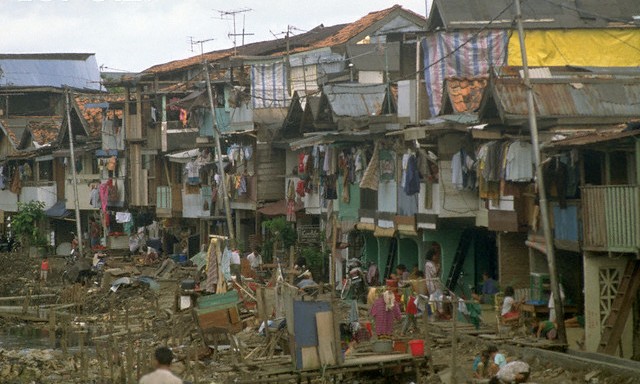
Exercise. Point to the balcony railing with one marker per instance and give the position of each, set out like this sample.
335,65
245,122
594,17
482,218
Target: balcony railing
611,218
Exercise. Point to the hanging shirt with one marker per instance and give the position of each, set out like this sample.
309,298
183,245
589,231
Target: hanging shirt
384,318
123,217
519,162
94,198
456,171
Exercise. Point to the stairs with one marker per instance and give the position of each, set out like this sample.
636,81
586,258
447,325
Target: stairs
620,308
458,259
391,258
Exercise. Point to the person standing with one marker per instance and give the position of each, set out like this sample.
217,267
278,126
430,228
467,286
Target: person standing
432,278
235,265
44,269
94,232
255,258
162,374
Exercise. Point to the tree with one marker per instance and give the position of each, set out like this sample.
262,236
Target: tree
25,224
283,235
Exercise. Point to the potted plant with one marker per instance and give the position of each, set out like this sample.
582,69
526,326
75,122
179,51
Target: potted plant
26,227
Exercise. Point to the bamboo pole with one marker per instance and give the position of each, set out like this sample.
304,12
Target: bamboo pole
74,175
544,208
454,343
223,182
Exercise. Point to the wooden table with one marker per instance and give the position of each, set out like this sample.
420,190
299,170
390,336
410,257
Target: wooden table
535,309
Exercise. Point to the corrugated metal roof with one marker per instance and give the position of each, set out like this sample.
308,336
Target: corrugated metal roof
570,97
77,71
598,137
538,14
355,100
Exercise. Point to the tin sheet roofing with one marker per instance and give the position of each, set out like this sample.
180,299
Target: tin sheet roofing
77,71
571,98
355,100
539,14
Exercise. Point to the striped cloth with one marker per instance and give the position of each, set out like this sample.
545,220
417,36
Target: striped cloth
269,88
488,48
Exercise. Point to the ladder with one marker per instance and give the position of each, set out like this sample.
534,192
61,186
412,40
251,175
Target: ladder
622,303
391,258
458,259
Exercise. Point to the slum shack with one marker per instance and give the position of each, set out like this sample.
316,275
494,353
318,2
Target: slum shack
319,340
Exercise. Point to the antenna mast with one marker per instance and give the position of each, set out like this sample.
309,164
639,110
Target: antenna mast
225,14
196,42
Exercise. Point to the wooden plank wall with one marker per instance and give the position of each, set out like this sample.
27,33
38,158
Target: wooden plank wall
270,171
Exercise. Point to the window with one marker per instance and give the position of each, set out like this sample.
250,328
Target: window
45,170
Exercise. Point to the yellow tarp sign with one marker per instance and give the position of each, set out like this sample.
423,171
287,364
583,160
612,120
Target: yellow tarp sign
579,47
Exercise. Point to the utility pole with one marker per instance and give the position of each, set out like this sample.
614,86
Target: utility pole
73,174
223,181
544,209
235,34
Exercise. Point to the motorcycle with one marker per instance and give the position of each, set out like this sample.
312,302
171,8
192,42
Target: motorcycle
354,286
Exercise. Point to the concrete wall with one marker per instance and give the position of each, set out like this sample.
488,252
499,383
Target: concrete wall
348,211
513,260
596,268
8,201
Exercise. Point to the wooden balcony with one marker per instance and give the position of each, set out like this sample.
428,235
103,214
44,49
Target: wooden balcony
611,218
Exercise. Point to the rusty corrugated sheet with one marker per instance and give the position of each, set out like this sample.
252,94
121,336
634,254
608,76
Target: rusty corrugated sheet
594,138
560,98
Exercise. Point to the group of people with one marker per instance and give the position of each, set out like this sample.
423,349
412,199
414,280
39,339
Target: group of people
493,365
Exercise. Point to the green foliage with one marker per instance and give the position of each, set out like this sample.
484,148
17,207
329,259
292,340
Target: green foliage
25,223
315,260
281,233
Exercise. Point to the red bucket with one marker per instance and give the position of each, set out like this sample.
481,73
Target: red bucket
400,346
417,347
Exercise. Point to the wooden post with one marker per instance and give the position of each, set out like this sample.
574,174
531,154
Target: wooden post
544,208
291,262
332,264
454,342
52,327
83,362
195,365
262,307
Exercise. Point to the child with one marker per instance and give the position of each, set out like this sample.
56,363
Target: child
44,269
385,311
545,328
481,365
410,319
510,307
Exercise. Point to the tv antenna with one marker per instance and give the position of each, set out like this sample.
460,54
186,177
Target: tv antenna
224,15
196,42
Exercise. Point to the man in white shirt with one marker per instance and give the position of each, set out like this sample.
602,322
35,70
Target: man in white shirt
235,265
162,374
255,259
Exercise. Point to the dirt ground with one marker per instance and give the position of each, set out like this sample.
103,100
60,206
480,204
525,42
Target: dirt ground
99,336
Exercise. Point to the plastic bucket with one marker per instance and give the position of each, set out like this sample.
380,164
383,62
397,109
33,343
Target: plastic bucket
417,347
400,346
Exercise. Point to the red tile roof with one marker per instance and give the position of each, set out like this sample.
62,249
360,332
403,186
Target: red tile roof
318,37
93,116
45,131
352,30
465,94
11,135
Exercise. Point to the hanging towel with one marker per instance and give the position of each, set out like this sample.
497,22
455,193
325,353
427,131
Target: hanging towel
371,176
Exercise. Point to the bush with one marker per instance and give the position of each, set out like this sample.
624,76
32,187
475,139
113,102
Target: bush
25,224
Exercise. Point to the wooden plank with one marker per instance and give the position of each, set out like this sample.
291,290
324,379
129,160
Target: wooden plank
326,340
310,359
